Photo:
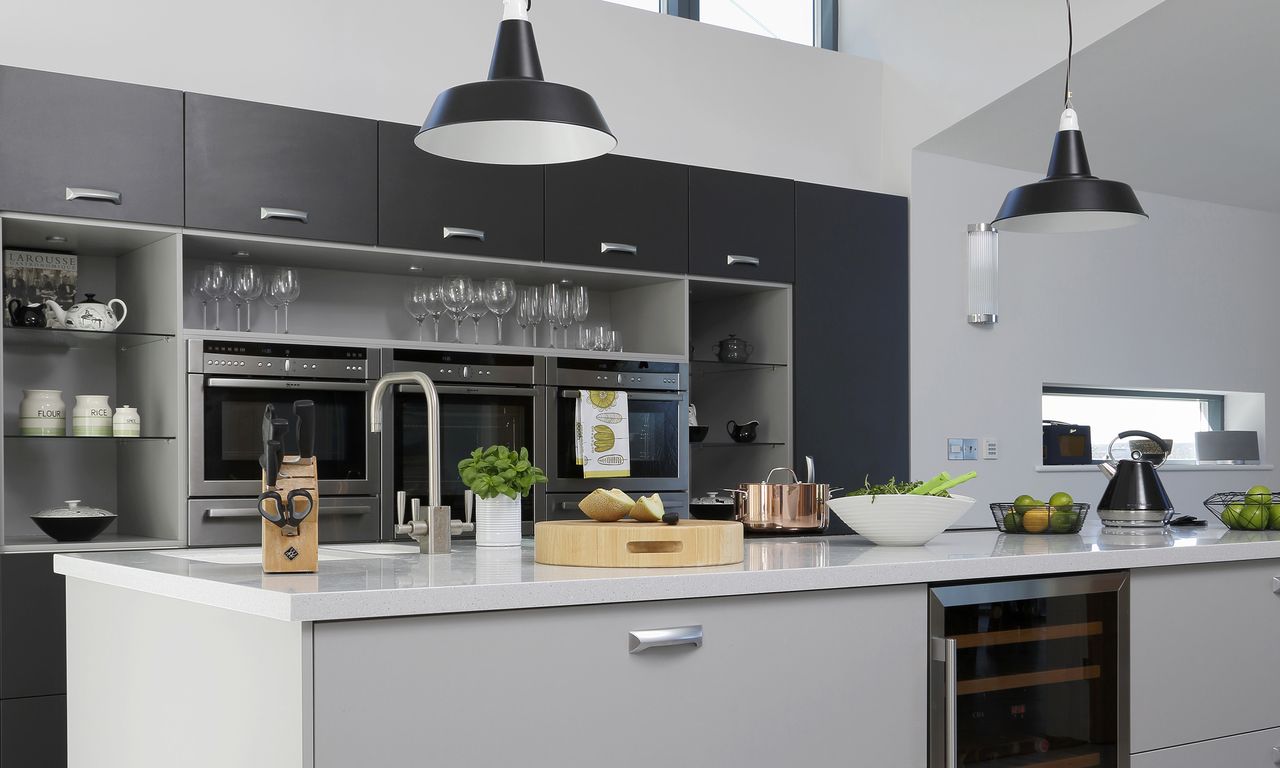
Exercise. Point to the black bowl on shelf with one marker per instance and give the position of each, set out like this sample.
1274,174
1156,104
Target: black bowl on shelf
76,528
698,434
1064,518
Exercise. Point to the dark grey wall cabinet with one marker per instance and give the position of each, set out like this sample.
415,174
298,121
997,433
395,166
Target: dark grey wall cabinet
434,204
851,360
280,171
741,225
33,622
33,732
616,211
75,146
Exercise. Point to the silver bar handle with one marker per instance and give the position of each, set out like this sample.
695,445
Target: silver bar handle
1275,584
746,261
88,193
283,213
619,248
285,384
944,650
221,513
471,234
643,639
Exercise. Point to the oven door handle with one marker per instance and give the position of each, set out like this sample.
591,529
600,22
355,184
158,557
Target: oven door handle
327,510
573,394
453,389
286,384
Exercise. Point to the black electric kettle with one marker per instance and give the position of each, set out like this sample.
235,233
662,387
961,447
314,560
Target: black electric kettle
1135,497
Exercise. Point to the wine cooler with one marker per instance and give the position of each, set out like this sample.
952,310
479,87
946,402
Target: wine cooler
1030,672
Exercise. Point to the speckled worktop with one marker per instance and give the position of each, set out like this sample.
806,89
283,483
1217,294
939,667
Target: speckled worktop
371,580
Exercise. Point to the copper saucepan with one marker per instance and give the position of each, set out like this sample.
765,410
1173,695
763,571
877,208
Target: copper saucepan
793,507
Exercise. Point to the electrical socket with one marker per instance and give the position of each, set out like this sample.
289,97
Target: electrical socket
962,449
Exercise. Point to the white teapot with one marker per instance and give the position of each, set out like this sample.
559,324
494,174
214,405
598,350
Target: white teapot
89,315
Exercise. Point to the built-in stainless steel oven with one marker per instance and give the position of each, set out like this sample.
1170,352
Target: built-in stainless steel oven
658,418
229,384
484,400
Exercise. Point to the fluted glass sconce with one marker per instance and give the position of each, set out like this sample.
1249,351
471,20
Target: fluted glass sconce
984,265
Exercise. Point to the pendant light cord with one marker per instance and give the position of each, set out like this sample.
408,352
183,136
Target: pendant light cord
1066,89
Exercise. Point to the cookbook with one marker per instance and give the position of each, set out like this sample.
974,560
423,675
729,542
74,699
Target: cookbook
33,276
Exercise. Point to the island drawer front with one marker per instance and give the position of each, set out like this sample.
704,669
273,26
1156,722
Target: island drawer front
833,673
235,522
1201,647
33,731
1260,749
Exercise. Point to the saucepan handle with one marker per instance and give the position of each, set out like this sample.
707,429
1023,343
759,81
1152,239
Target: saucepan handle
794,478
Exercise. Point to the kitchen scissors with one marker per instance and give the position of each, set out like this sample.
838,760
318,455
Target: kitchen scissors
287,512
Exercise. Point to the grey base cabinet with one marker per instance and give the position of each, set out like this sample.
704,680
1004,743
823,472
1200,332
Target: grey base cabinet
33,732
822,678
1248,750
1202,661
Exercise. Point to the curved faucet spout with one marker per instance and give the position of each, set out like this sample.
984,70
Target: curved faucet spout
433,422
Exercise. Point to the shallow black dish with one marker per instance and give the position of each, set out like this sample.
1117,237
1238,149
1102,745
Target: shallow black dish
698,434
74,528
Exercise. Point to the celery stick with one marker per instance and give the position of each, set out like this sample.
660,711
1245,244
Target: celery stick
928,487
948,485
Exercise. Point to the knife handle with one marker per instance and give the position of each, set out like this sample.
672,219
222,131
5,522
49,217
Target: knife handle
305,410
274,452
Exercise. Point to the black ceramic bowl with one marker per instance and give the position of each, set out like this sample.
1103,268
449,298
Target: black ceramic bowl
698,434
74,528
713,511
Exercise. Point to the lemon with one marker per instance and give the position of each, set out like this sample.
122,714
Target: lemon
603,400
1036,520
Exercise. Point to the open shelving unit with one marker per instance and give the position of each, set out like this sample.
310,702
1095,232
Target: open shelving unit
141,479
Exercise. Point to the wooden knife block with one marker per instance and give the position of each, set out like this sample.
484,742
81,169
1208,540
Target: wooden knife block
293,554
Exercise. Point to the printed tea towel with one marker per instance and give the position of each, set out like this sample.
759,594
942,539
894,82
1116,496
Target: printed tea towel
602,429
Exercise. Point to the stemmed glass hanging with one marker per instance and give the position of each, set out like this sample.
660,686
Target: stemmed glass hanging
247,287
499,297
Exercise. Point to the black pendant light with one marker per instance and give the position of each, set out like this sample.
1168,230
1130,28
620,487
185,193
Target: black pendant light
515,117
1069,198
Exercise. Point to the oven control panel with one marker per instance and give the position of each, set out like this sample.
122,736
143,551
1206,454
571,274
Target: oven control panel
283,361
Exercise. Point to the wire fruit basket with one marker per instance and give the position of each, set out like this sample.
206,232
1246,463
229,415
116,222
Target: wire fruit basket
1064,518
1242,511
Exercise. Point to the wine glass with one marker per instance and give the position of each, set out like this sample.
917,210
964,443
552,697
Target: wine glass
476,308
415,302
579,304
522,315
199,291
559,314
274,292
217,285
434,304
499,297
535,309
247,286
456,294
291,283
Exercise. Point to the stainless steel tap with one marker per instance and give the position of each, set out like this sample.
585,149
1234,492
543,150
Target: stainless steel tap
435,531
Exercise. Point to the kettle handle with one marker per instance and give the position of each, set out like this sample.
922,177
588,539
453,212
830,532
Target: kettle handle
1167,445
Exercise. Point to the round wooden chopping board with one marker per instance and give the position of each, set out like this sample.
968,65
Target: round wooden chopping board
630,544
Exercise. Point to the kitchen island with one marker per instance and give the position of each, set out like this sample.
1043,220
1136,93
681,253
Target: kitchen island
483,656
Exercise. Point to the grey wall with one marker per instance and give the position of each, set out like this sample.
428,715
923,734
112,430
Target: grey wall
1184,301
671,89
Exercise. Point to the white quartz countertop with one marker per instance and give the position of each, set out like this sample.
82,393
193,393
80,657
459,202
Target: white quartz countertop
359,581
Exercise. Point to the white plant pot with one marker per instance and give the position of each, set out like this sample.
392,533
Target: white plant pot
498,522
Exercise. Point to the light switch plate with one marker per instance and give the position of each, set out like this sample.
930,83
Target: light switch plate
962,449
990,449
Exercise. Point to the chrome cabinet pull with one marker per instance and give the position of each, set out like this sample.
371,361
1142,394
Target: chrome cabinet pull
87,193
1275,584
643,639
471,234
618,248
746,261
284,213
944,650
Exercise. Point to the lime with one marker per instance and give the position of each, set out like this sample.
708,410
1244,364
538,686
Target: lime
1036,520
1258,494
1062,520
1254,517
1231,515
1060,500
1011,523
1024,502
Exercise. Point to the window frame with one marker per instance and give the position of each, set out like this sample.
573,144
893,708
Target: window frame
826,18
1216,402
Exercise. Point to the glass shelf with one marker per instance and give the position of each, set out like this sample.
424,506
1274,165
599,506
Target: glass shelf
66,338
38,542
734,445
715,366
87,437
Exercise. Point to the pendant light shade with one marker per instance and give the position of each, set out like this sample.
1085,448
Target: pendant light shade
515,117
1069,198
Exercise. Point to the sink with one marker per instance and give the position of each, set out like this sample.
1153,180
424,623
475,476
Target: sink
240,556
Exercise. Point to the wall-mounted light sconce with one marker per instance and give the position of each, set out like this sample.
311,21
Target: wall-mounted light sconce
984,266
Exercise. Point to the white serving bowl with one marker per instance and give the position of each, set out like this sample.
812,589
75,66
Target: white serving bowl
900,520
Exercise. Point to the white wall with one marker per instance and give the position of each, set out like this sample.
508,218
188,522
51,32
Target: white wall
671,89
1186,301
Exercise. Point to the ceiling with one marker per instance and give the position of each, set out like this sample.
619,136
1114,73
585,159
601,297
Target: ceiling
1184,100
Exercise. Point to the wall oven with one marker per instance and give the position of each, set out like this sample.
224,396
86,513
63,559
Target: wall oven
484,400
658,416
228,386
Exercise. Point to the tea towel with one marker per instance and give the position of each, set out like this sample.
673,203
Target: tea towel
602,431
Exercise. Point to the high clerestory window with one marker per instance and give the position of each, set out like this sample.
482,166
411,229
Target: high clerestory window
808,22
